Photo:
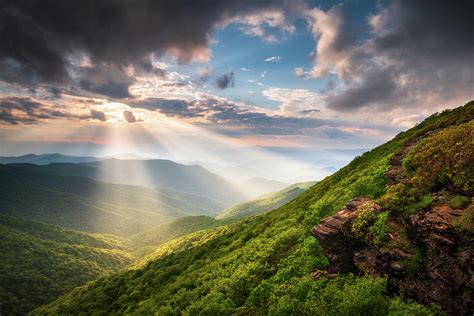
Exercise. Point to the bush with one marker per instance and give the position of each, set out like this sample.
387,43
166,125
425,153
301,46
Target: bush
444,159
459,201
364,218
380,228
466,220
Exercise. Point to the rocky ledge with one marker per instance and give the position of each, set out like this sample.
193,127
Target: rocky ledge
426,257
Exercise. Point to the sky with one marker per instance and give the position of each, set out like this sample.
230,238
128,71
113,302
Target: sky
287,90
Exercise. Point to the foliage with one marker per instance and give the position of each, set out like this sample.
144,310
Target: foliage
266,203
445,159
459,201
262,264
39,262
364,219
466,220
149,240
380,228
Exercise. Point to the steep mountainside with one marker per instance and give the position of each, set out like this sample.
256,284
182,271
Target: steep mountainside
421,232
269,264
265,203
39,262
87,205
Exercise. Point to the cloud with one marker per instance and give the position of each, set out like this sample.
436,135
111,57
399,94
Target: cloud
294,101
274,59
245,69
203,74
418,55
98,115
264,23
225,81
106,79
171,107
51,42
231,118
129,117
263,74
26,110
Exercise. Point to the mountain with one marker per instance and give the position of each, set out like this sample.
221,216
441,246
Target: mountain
265,203
39,262
146,241
167,174
159,173
271,264
259,186
80,203
45,159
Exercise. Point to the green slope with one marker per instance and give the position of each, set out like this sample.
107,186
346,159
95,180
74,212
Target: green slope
265,203
39,262
147,241
262,264
87,205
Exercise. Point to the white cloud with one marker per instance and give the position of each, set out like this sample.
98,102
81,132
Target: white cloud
274,59
258,24
295,101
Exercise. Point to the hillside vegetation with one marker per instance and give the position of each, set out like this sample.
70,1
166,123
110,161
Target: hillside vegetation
84,204
39,262
148,240
265,203
264,264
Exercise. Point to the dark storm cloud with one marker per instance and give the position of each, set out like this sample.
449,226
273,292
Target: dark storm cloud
375,87
16,110
41,37
225,81
110,88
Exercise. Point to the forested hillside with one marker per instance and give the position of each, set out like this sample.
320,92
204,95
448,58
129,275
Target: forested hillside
265,203
147,241
39,262
84,204
265,264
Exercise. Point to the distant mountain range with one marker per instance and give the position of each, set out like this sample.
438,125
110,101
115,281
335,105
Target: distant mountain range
50,194
135,170
45,159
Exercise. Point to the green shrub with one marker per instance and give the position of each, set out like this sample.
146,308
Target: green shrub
364,219
466,220
380,228
444,159
459,201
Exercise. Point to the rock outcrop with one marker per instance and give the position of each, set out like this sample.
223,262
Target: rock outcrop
447,274
441,272
336,238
